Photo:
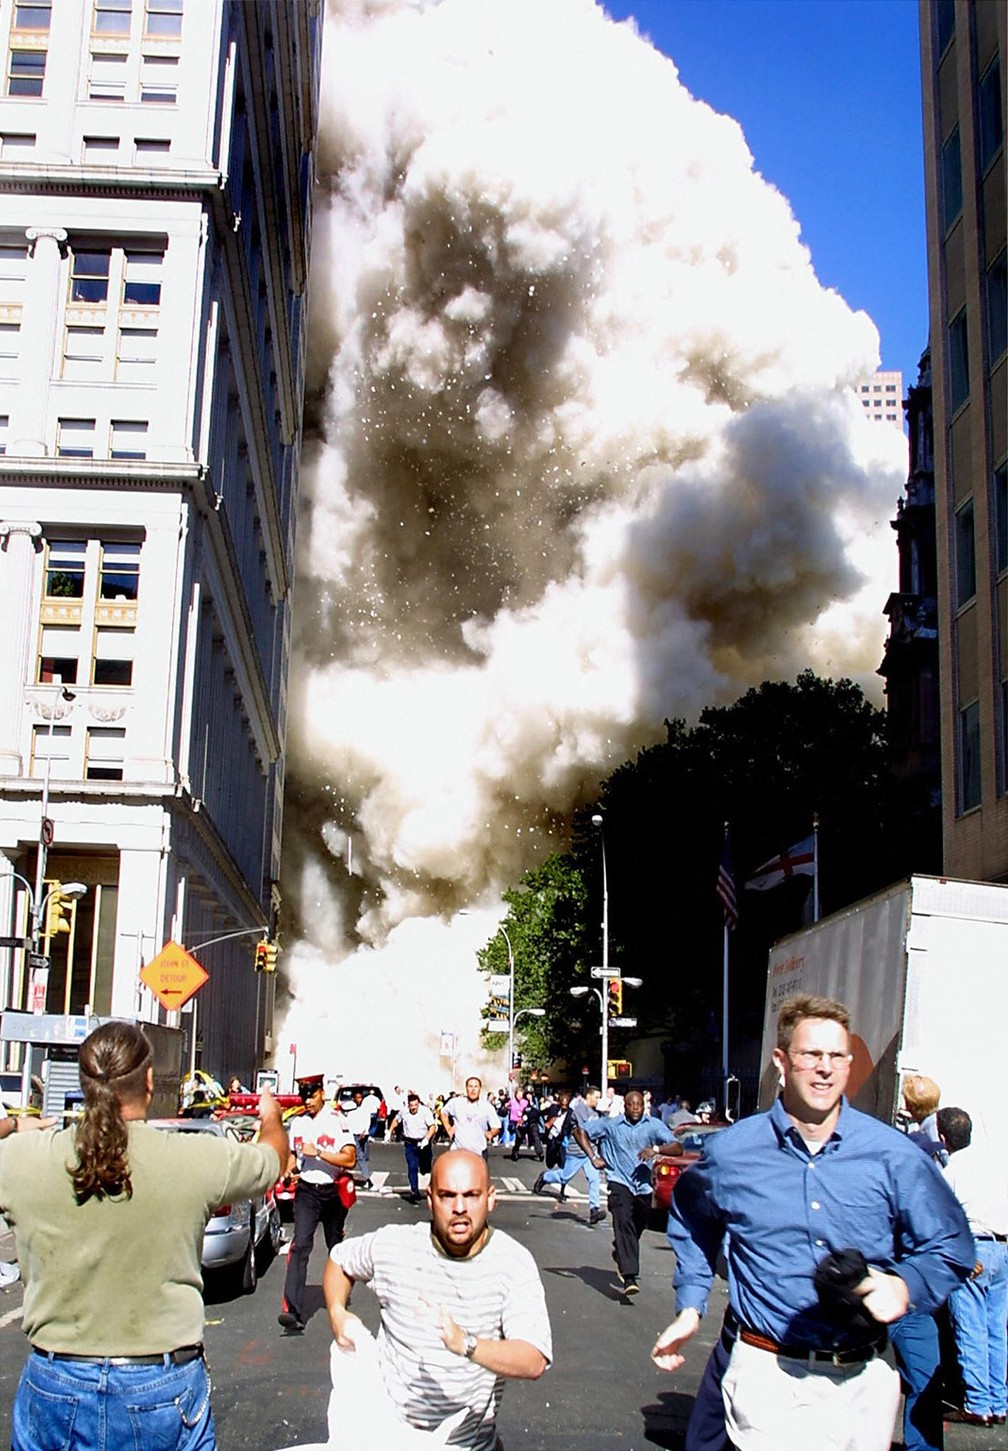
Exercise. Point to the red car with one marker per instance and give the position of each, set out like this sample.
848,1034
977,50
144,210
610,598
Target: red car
665,1172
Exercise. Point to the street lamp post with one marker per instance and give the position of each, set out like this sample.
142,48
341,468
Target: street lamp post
45,828
511,1010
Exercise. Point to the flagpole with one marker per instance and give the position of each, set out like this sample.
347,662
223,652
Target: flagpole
815,867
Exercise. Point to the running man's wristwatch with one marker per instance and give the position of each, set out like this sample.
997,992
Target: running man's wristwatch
469,1343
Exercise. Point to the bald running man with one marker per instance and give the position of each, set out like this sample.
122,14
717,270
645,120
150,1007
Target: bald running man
462,1305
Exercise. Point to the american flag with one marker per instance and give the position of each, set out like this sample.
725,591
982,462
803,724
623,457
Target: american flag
726,888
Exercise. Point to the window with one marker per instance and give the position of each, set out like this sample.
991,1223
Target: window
159,80
989,113
969,757
951,175
144,146
104,754
65,569
75,437
89,275
959,380
944,23
163,17
890,387
50,743
25,72
10,348
965,554
113,658
35,15
83,352
129,439
4,426
120,571
997,309
111,17
16,145
1001,518
101,149
108,78
142,279
137,354
58,654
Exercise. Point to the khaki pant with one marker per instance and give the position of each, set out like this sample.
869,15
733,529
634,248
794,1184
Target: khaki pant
776,1404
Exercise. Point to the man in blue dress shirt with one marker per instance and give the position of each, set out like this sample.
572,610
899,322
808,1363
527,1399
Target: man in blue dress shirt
624,1147
807,1180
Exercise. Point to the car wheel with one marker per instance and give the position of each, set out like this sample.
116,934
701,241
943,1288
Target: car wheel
275,1229
249,1265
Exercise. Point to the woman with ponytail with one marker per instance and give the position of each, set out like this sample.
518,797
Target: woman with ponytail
109,1217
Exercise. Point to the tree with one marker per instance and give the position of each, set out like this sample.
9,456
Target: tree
546,922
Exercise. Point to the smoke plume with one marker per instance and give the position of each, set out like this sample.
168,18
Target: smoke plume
585,456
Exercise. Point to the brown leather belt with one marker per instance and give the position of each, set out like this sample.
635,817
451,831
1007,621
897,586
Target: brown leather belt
852,1355
182,1356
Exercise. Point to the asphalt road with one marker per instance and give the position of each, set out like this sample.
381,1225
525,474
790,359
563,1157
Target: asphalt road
601,1394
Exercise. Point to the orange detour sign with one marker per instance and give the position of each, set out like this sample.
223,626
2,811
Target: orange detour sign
173,976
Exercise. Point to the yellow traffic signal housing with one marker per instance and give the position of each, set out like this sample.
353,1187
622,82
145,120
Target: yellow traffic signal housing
615,996
58,907
272,949
261,949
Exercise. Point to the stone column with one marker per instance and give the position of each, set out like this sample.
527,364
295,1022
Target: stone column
20,541
39,329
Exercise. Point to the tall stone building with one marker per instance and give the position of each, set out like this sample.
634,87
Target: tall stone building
962,50
156,161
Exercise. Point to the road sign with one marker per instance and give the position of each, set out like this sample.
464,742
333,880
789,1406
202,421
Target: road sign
500,985
37,960
46,832
497,1025
605,972
24,942
622,1022
173,976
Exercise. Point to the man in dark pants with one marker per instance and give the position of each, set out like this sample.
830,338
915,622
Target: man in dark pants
321,1154
624,1147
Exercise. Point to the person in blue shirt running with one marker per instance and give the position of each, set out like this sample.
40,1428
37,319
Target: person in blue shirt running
812,1185
624,1147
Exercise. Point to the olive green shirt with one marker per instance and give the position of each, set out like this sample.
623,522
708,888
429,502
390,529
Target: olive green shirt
121,1276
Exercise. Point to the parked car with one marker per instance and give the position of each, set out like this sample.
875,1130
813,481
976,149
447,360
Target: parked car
665,1172
237,1236
344,1100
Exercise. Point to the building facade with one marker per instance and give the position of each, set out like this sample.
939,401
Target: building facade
156,160
962,50
880,396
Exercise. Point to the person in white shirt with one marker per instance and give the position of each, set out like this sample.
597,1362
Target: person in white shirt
462,1306
418,1129
359,1119
321,1158
469,1122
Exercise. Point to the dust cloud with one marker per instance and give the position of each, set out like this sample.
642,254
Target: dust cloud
583,454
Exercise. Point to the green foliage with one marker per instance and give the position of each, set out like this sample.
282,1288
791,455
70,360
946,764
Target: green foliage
766,764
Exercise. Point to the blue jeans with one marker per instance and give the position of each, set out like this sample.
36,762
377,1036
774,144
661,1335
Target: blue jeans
915,1345
573,1166
65,1405
978,1311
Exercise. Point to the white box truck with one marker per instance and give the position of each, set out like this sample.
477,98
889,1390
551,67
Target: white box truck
923,967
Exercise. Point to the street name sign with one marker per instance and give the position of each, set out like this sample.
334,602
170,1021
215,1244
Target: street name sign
173,976
24,942
622,1022
497,1025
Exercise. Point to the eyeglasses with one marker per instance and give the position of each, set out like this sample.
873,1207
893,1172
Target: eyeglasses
813,1057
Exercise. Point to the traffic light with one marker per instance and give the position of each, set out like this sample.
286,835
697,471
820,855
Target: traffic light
266,955
615,990
58,906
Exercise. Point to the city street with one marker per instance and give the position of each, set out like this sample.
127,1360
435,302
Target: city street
602,1393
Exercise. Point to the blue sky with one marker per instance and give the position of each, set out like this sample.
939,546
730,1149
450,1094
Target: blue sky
828,95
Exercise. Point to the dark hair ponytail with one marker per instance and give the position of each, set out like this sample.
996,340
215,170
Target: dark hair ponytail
113,1070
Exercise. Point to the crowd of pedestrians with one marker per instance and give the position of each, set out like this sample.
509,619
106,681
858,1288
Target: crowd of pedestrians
841,1236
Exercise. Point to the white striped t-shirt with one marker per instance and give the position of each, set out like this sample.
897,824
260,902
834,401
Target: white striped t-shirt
497,1295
